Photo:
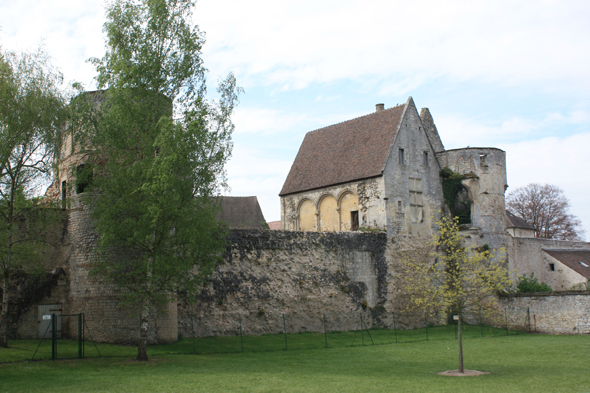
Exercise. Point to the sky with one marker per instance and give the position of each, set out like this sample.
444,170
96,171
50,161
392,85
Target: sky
506,74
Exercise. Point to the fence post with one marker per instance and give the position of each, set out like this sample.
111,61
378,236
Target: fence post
506,319
53,337
285,331
394,327
241,335
80,336
362,330
193,334
480,323
83,336
325,332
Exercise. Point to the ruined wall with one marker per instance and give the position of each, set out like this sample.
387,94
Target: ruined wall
29,289
329,209
550,313
304,275
526,256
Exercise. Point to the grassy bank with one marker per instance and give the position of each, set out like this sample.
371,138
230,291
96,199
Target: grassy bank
525,363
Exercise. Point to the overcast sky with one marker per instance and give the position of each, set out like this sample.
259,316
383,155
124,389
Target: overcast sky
507,74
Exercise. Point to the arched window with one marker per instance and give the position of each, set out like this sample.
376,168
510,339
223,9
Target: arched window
328,214
307,217
349,214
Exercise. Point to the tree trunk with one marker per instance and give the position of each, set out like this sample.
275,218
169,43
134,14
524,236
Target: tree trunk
460,336
4,315
143,333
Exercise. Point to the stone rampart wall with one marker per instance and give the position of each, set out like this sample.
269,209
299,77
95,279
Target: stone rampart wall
304,275
550,313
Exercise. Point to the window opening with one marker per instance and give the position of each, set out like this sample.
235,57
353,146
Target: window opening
416,202
425,156
354,220
63,194
401,157
83,177
482,160
399,206
552,267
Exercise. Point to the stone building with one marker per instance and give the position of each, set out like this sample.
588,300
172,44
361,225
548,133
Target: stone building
382,172
379,173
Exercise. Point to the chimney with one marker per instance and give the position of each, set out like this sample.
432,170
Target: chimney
379,107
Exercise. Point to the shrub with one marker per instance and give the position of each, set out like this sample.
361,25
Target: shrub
530,284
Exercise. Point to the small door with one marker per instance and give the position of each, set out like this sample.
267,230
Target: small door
44,325
354,221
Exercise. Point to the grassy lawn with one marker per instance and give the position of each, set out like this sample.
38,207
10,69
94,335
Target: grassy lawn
523,363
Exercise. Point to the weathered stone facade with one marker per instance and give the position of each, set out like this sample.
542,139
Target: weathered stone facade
549,313
305,275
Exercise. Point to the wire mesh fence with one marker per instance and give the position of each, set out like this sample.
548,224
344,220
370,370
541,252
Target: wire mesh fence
280,332
277,331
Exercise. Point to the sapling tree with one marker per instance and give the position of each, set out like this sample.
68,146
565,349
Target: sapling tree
159,153
32,111
458,279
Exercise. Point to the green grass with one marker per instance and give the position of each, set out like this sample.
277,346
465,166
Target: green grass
524,363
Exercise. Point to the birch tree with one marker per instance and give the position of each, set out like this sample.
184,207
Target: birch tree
160,150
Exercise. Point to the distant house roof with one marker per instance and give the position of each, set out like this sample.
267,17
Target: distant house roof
577,260
274,225
513,221
241,212
352,150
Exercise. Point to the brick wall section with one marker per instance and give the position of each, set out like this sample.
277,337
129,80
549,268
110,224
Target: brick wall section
304,275
550,313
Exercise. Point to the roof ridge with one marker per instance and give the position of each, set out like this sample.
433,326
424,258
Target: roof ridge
355,118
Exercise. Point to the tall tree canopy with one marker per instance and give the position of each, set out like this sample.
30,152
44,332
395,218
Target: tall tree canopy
546,208
156,169
32,109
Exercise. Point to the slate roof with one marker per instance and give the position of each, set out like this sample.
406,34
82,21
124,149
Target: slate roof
351,150
241,212
572,259
513,221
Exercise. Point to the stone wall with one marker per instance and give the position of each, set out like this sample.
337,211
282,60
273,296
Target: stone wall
526,256
304,275
107,319
550,313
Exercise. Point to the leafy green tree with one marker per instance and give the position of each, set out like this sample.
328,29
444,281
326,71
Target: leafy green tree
32,109
156,171
458,279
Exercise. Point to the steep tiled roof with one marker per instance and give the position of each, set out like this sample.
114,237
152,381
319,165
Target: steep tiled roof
241,212
574,259
343,152
513,221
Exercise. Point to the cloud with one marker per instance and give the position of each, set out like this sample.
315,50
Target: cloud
250,120
297,43
459,131
255,172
